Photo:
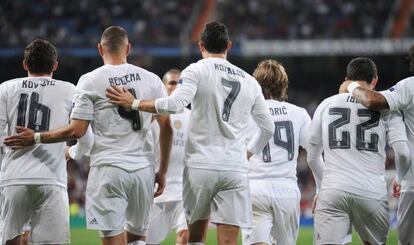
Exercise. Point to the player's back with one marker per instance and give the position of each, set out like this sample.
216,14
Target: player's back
353,140
278,159
220,114
122,137
41,104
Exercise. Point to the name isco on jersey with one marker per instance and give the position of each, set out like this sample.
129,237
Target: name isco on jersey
124,79
229,70
36,84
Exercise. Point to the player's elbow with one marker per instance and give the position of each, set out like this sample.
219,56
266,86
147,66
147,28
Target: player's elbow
403,155
376,102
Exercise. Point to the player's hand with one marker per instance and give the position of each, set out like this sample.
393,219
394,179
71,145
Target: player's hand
344,87
396,189
249,155
120,96
160,181
67,155
23,138
315,199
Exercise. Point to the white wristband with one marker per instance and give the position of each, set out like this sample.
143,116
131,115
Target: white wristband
37,138
352,86
135,105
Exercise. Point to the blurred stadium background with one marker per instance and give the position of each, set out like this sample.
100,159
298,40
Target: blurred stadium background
314,39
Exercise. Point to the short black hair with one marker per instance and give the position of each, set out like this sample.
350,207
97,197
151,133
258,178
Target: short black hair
114,37
40,56
411,57
215,37
361,69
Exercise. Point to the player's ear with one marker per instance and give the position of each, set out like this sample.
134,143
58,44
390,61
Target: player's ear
128,49
229,45
100,49
373,83
201,47
25,67
55,66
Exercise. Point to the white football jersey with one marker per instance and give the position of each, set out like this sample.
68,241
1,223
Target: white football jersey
401,97
354,140
174,186
223,97
278,159
42,104
121,138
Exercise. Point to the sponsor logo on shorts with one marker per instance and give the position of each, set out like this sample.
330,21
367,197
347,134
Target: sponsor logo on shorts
93,221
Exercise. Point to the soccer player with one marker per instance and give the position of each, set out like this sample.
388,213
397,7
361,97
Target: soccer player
273,182
398,97
167,213
120,186
33,180
223,98
353,139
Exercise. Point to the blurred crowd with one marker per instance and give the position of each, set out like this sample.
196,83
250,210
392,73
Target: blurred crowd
305,19
79,23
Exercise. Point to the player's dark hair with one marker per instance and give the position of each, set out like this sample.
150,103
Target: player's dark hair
113,38
215,37
361,69
40,56
411,57
273,79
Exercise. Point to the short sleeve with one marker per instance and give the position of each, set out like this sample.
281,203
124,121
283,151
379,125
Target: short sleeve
84,100
304,129
315,132
400,96
395,127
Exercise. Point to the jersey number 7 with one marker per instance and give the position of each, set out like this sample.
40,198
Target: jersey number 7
234,91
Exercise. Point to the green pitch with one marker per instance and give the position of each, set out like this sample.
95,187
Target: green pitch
81,236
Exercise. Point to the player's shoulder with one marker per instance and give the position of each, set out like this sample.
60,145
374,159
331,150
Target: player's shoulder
407,83
11,82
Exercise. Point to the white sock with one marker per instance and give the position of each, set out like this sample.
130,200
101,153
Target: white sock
138,242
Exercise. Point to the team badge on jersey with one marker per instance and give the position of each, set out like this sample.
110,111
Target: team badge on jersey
178,124
392,89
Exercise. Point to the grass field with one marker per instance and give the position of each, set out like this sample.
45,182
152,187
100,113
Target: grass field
81,236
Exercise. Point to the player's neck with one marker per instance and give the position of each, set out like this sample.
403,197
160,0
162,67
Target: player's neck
115,60
212,55
39,74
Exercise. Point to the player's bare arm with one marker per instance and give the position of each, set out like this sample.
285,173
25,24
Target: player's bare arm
369,98
25,136
166,134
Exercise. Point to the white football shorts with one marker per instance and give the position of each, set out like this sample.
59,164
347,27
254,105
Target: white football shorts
276,213
118,200
336,211
164,217
221,196
46,207
405,218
